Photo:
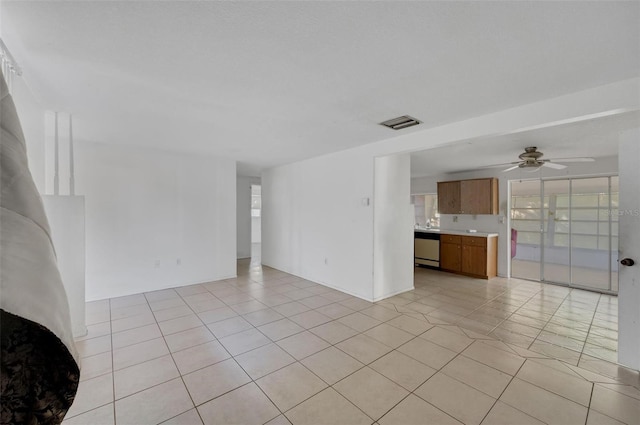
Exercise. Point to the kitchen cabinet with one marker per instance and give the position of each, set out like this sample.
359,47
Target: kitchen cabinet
450,253
475,256
474,196
449,197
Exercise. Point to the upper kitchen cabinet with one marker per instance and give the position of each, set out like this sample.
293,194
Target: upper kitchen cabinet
449,197
475,196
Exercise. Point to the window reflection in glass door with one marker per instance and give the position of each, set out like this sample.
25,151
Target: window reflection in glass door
555,232
566,231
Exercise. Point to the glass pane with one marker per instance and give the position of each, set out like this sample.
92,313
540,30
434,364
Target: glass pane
526,225
562,227
525,218
614,199
590,254
588,243
561,214
526,202
426,209
585,200
431,210
587,227
604,213
556,236
603,242
525,214
585,213
562,201
529,238
561,239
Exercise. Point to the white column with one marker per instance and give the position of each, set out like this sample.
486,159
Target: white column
59,154
72,177
56,157
393,218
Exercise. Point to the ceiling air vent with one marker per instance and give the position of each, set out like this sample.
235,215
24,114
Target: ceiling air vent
400,122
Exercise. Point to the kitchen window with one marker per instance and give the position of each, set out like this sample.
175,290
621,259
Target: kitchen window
426,209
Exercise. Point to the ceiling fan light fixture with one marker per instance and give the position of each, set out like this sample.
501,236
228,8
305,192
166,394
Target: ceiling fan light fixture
530,166
530,154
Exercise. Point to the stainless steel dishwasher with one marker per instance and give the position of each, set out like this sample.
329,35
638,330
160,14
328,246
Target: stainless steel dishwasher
427,249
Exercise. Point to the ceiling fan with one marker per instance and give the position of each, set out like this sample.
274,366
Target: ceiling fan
531,161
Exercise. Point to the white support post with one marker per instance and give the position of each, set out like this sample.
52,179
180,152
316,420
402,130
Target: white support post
56,174
72,181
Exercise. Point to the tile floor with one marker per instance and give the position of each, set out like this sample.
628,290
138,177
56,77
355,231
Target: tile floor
269,347
586,277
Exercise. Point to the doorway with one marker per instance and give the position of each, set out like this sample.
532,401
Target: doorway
565,231
256,224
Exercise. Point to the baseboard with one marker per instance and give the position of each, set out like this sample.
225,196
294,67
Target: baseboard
391,294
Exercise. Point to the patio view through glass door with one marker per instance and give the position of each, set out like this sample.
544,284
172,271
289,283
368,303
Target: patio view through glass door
566,231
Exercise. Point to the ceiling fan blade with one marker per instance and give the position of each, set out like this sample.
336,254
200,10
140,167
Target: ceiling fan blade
510,168
504,164
554,165
583,159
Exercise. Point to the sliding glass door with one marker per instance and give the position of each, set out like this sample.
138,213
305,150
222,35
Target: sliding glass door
556,232
526,229
566,231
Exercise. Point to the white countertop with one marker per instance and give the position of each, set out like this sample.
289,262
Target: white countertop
455,232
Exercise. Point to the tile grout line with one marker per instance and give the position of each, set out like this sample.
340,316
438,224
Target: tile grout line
518,309
251,295
503,391
254,381
593,385
549,320
271,342
589,331
174,360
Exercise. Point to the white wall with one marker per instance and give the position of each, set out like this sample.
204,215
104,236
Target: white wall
155,219
243,214
312,209
500,223
393,258
32,120
629,290
66,219
314,223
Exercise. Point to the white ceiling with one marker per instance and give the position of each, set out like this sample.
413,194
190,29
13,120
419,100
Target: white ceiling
269,83
595,138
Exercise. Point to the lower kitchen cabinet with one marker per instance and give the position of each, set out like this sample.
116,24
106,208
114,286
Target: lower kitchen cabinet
475,256
450,253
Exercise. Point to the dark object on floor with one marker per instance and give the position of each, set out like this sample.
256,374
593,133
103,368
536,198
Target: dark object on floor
39,376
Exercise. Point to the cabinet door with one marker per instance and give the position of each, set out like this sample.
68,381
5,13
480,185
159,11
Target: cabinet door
449,197
479,196
450,257
474,260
